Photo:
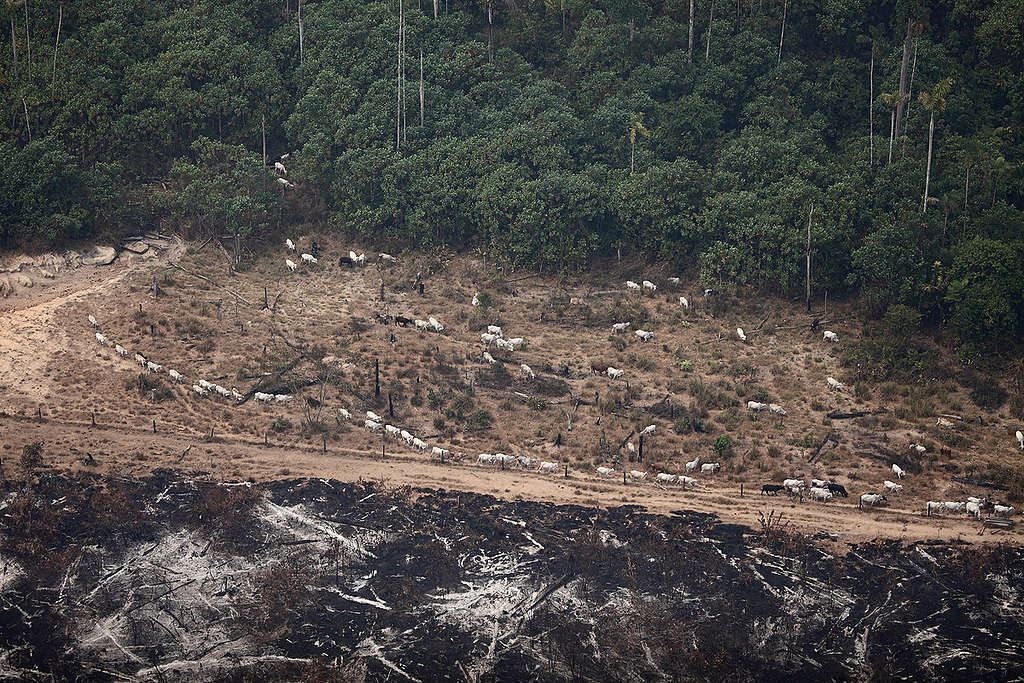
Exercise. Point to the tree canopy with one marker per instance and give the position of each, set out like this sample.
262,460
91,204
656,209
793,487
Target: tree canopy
552,133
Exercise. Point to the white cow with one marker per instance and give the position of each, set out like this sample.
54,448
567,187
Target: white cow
649,285
121,351
92,321
373,416
739,333
1003,509
279,167
644,335
943,422
420,444
484,459
527,370
291,245
872,499
892,487
666,478
637,475
615,373
898,471
605,471
649,429
693,465
973,509
830,336
260,396
687,481
489,358
918,447
822,494
488,338
176,376
548,467
632,285
683,302
199,390
1020,439
674,280
345,414
710,468
619,327
309,258
440,452
755,406
495,330
291,264
372,425
834,384
777,409
101,339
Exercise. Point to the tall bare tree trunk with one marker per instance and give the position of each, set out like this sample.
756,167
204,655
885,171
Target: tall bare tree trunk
422,101
301,31
632,25
398,84
871,108
435,10
28,43
490,34
928,170
910,101
892,132
689,48
60,21
14,49
27,126
782,34
263,130
903,79
405,94
711,19
809,217
967,186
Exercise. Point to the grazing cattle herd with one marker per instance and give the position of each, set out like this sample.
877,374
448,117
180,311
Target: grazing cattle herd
822,491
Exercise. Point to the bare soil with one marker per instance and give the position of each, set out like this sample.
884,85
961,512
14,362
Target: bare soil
51,366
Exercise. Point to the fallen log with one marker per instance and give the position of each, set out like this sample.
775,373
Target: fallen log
817,451
974,481
215,284
836,415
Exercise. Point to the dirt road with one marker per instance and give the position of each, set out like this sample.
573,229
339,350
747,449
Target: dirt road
127,452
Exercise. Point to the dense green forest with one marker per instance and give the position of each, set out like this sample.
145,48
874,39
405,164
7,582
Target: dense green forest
547,134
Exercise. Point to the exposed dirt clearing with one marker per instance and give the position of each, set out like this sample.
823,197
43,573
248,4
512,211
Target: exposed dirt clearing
119,451
439,384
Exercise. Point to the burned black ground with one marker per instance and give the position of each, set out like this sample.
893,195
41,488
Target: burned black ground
175,578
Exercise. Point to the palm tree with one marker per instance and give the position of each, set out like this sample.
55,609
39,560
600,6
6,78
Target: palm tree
636,127
933,101
893,101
